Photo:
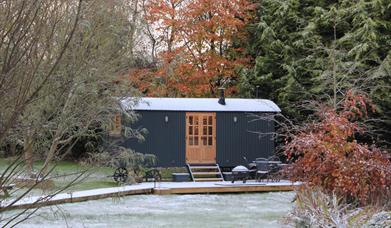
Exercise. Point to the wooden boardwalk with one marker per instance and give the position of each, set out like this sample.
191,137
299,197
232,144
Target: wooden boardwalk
225,187
161,188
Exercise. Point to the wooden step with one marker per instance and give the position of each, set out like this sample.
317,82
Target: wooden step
203,167
209,179
206,173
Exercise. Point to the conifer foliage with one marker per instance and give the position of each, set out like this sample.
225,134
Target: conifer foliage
317,50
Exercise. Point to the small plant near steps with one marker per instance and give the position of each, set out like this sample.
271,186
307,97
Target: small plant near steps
205,172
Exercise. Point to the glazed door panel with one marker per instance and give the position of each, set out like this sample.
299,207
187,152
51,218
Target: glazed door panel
200,138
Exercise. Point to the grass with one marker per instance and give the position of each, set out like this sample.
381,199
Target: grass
95,177
86,185
167,172
3,164
66,171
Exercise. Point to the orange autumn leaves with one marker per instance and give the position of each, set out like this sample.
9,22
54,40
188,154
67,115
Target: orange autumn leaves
197,53
326,154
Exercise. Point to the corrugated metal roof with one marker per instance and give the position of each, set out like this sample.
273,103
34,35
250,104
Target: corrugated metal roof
201,104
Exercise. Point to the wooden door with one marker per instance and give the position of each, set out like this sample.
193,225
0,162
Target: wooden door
200,138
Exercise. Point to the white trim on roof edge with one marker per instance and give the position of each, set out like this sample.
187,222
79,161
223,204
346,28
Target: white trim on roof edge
200,104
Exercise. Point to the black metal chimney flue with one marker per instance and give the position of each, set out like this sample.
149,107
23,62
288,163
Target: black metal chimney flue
257,92
222,97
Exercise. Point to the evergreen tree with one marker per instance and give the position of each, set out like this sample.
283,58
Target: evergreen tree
306,50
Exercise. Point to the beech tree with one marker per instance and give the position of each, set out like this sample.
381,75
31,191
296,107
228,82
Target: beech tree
198,51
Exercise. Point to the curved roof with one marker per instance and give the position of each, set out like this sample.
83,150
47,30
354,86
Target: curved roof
201,104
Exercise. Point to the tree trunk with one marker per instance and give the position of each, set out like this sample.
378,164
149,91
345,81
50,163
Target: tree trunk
49,156
133,27
12,149
28,153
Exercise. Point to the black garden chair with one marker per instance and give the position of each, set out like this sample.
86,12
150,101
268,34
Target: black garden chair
268,169
263,169
275,166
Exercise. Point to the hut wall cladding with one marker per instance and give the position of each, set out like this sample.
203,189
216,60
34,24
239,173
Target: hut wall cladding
234,140
166,140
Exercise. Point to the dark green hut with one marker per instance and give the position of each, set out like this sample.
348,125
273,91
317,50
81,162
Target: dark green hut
204,130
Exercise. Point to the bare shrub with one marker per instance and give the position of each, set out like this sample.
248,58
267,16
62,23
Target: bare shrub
315,208
122,157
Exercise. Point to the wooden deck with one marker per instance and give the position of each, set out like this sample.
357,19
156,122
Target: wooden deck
224,188
162,188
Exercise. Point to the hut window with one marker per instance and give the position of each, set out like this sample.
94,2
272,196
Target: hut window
196,141
195,136
204,140
210,142
200,129
204,120
116,125
193,131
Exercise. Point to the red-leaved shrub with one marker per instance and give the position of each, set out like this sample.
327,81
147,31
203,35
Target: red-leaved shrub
327,155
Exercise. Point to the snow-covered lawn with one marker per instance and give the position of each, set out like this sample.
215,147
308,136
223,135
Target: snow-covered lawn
224,210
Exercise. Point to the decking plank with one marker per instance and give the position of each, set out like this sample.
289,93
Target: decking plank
161,188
